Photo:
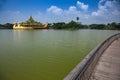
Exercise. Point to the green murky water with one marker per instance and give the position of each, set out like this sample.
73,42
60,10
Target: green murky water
45,54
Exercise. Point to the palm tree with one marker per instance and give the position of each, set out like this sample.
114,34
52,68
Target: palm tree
77,18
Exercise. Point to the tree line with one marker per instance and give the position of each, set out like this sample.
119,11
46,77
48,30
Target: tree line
69,25
109,26
77,25
6,26
73,25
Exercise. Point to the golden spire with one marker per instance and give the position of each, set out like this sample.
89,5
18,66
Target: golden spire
31,20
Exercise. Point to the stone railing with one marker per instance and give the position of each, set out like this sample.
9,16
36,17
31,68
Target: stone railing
84,69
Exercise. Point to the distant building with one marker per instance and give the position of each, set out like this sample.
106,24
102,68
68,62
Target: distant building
30,24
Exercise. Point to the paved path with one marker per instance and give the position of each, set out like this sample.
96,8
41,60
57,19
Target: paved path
108,67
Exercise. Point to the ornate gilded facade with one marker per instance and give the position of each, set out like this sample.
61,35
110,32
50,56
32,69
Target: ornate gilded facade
30,24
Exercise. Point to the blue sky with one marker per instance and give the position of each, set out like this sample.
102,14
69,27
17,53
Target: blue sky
89,11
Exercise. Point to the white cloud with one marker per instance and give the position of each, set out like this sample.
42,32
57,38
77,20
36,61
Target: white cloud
82,5
108,11
101,1
108,3
95,14
108,8
72,8
54,9
72,11
62,15
59,11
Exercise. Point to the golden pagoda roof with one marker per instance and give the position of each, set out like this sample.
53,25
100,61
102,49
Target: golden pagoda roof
30,20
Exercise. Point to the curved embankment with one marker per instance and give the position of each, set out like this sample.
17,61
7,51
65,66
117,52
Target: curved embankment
84,69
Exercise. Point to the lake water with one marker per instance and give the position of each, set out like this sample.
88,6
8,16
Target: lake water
45,54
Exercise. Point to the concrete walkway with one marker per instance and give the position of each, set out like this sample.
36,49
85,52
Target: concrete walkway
108,67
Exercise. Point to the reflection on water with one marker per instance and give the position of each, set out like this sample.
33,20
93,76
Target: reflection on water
45,54
17,35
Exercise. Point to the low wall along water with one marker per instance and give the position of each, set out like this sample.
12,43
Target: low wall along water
84,69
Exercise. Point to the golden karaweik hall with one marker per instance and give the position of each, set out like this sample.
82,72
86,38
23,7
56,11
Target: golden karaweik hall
30,24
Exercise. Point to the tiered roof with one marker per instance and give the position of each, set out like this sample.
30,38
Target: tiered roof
31,22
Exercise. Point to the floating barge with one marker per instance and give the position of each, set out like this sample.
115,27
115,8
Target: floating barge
30,24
